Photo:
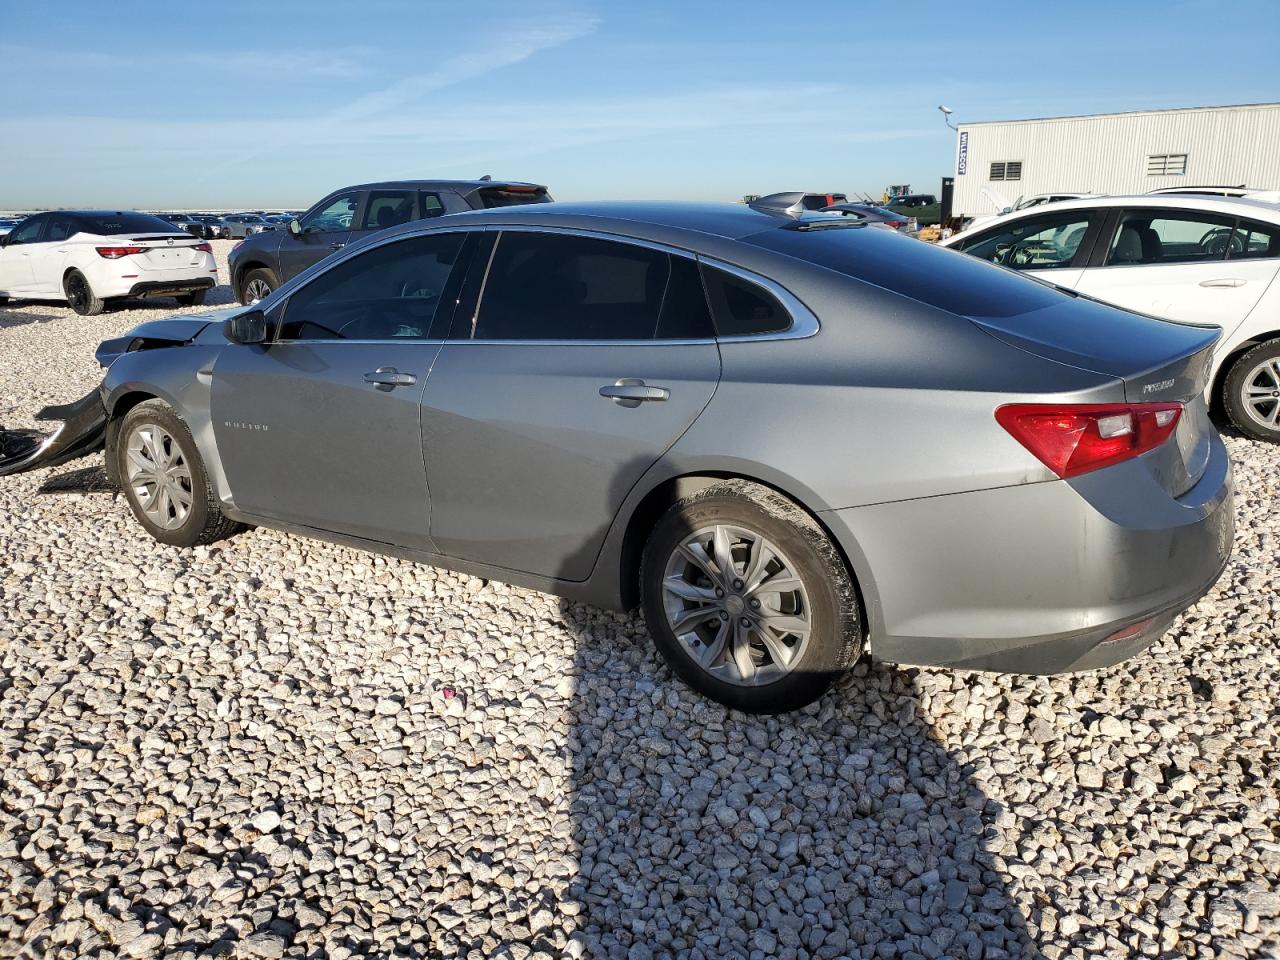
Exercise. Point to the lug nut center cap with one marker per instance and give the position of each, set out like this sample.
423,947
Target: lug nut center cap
733,603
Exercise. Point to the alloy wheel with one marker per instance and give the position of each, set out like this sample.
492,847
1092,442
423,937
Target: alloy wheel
1261,398
737,605
256,289
158,475
77,292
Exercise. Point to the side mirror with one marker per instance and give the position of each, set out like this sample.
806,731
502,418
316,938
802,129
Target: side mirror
295,227
247,327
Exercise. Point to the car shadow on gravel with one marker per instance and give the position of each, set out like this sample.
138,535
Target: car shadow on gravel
85,480
841,830
10,317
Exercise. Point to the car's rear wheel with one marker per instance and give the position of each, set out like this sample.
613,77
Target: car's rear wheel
164,479
1251,392
193,299
257,285
80,295
748,600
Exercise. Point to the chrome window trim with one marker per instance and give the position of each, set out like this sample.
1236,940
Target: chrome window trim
804,323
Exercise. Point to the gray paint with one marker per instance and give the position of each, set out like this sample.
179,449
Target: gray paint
504,461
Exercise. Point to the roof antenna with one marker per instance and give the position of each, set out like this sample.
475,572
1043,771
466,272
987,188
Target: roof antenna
789,204
486,178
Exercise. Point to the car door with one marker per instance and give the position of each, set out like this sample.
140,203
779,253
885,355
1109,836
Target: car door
325,228
322,426
581,363
1174,263
18,255
1053,246
49,257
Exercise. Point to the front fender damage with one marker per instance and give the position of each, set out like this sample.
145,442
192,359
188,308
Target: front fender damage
82,432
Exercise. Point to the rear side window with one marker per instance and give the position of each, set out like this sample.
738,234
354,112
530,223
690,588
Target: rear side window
1170,236
388,293
1033,243
1254,241
387,208
512,196
740,308
544,286
60,228
117,223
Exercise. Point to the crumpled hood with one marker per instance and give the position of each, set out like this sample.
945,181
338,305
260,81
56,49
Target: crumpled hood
169,332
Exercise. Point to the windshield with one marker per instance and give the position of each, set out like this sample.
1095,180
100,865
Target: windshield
108,224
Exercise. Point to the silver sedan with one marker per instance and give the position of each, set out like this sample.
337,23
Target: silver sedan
793,441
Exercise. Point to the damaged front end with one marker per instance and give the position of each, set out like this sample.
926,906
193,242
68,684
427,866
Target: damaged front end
81,432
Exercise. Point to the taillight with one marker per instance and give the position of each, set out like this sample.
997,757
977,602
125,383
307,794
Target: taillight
896,224
115,253
1074,438
203,247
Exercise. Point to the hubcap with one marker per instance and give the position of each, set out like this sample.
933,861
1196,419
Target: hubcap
76,292
1262,393
256,289
158,476
737,605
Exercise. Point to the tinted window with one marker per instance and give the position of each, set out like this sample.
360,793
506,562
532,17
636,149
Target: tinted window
28,232
109,224
512,196
430,206
544,286
388,293
942,278
388,208
334,216
1253,240
1033,243
740,308
684,305
1170,236
60,228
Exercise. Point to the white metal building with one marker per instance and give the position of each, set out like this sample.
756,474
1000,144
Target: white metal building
999,161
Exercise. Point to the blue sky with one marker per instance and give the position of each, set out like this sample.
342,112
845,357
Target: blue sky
275,103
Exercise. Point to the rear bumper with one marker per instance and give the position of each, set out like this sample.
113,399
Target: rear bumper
169,288
1038,578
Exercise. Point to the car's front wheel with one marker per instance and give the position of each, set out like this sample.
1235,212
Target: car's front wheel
257,285
80,296
1251,392
164,479
748,600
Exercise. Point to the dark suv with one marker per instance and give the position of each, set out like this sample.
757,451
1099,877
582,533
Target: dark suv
263,262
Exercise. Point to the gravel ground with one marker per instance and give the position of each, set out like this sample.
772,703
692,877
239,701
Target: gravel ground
276,747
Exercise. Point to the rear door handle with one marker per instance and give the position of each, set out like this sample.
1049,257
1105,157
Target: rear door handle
1224,282
336,246
630,392
390,377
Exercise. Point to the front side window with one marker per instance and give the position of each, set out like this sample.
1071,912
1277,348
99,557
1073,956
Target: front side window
1254,241
1035,243
545,286
388,208
430,205
28,232
1170,236
337,215
388,293
741,308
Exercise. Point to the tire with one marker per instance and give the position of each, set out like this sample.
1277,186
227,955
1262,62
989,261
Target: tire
1251,392
193,299
3,301
259,275
820,633
80,295
202,521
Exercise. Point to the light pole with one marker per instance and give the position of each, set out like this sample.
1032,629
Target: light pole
946,117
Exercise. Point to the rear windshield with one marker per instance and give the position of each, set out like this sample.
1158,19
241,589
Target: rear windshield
508,197
107,224
945,279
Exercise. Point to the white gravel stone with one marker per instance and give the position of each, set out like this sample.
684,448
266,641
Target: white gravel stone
247,749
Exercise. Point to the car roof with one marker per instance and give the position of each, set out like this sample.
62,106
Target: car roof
1235,206
437,185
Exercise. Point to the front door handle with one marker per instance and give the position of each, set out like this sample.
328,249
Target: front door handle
630,392
1224,282
390,377
336,246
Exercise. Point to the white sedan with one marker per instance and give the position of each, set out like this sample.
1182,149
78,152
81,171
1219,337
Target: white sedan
1196,259
90,257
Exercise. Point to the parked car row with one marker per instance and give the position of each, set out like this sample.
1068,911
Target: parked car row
236,226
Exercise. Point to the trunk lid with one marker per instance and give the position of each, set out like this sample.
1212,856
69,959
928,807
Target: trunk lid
166,252
1158,361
